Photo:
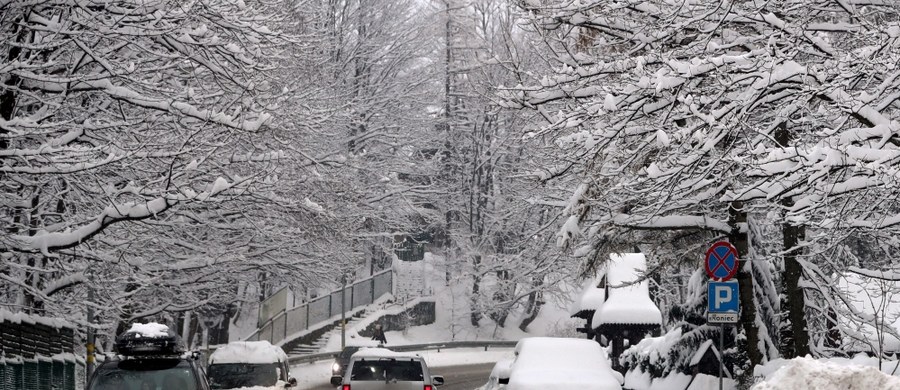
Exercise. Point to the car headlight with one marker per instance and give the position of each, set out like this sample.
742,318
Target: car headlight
336,367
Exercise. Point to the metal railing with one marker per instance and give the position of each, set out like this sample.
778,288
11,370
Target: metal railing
411,347
316,311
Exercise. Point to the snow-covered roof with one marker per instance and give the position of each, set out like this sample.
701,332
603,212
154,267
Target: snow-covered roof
628,302
378,353
592,297
150,330
248,352
872,299
23,318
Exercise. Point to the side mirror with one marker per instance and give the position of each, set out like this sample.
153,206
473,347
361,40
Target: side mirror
503,381
336,380
292,382
437,380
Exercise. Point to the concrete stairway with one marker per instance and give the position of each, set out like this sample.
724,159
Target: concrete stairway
317,344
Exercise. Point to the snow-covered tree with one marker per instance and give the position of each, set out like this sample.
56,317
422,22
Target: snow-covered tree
130,128
495,217
685,115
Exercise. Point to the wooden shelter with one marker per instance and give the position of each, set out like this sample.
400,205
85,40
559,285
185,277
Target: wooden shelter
623,311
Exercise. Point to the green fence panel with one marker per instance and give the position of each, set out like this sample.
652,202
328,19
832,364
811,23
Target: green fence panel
27,345
31,377
13,376
71,376
59,375
45,375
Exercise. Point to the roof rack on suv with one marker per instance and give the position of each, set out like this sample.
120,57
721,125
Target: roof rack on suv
149,340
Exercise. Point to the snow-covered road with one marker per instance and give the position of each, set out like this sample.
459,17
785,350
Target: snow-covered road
463,368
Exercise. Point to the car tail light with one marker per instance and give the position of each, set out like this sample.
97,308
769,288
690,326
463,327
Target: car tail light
428,387
345,387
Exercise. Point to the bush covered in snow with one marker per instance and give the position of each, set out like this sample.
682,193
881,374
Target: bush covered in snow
672,352
810,374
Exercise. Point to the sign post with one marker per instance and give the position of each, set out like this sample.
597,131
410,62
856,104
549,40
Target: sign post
721,264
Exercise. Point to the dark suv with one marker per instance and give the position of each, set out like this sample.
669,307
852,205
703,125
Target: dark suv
150,357
342,359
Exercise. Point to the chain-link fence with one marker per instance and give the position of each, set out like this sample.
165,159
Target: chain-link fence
36,353
315,313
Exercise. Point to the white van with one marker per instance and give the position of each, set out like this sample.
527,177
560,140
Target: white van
383,369
249,364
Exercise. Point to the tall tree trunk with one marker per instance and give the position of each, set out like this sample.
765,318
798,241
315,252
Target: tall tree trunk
792,235
500,312
358,127
737,219
33,275
476,289
533,306
450,150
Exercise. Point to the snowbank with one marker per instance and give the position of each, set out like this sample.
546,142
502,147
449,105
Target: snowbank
810,374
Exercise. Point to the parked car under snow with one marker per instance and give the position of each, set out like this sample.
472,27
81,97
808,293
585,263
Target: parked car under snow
249,364
552,363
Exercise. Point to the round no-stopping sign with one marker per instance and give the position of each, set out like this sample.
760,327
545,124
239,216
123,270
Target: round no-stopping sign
721,261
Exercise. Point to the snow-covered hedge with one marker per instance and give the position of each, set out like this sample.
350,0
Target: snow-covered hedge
806,373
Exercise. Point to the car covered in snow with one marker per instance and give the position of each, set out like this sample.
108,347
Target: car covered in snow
149,357
555,363
499,377
383,369
256,364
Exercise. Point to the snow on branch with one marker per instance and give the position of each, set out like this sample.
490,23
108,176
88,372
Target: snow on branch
671,222
876,274
45,242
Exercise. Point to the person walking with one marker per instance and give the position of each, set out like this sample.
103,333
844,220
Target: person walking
379,334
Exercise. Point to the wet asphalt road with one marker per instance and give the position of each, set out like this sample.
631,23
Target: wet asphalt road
465,377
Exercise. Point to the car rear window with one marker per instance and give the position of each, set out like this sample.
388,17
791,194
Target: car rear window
387,370
235,376
145,374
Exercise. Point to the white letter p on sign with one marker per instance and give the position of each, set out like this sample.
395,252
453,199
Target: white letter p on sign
723,294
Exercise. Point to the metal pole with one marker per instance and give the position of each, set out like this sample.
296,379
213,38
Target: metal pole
89,359
343,311
721,354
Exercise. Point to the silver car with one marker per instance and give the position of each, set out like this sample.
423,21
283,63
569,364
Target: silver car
382,369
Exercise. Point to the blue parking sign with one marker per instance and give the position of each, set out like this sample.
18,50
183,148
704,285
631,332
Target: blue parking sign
723,297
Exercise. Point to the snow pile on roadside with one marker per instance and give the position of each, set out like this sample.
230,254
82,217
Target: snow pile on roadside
808,373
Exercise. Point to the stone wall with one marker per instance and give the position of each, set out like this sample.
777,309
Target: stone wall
422,313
